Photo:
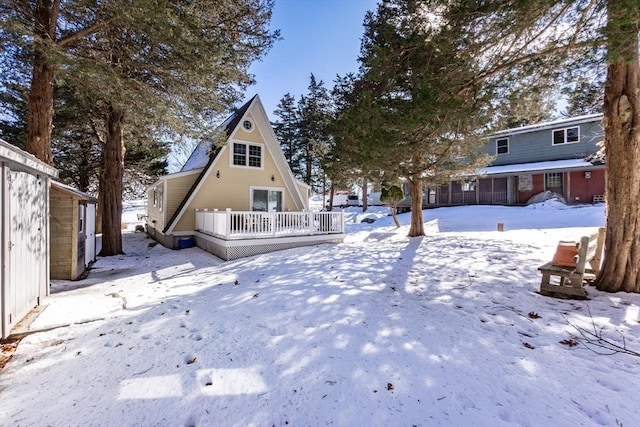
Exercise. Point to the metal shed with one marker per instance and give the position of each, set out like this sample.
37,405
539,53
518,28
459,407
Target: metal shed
73,231
24,227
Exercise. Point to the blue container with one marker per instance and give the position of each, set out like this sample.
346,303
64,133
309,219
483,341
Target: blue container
186,242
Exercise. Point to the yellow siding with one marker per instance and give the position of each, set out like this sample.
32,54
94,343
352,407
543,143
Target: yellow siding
253,136
232,189
174,190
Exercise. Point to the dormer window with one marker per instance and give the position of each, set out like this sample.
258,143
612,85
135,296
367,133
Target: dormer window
566,136
247,155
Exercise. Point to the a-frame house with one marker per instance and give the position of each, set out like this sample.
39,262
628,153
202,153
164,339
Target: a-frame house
244,185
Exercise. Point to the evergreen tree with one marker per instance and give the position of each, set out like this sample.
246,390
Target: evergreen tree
420,78
314,111
287,129
176,65
584,97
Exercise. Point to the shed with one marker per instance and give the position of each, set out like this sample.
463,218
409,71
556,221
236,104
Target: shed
73,231
24,230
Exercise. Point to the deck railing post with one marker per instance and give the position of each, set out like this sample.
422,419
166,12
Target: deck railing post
214,226
228,225
272,223
310,222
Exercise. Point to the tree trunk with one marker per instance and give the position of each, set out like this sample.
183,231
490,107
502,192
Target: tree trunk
394,215
112,174
415,189
40,98
365,205
621,269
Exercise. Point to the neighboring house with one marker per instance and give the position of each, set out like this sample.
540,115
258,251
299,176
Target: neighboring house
24,227
73,231
225,197
529,160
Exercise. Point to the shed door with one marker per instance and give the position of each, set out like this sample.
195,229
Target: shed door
26,236
90,248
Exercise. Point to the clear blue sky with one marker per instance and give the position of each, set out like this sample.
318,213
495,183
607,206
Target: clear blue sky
318,36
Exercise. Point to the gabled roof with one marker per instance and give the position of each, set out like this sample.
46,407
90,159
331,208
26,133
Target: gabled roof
229,126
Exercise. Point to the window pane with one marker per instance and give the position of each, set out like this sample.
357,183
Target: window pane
558,136
275,201
240,154
255,155
573,134
260,200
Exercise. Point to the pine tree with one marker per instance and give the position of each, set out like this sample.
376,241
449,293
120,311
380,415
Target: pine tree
584,97
314,110
420,78
287,129
177,65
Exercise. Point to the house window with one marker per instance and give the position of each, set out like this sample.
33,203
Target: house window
247,155
553,182
566,136
502,146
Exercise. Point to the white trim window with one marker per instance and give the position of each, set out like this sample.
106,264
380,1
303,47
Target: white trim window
502,146
247,155
566,136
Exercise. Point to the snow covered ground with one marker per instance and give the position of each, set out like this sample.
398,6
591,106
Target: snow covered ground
382,330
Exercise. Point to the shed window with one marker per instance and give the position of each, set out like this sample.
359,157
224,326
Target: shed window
247,155
566,136
157,199
81,212
502,146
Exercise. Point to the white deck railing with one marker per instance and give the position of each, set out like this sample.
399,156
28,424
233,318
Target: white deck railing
232,225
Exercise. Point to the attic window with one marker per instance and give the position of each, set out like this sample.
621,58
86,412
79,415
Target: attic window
247,155
566,136
247,125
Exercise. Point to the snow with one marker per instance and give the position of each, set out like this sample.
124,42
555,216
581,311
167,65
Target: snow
382,330
536,167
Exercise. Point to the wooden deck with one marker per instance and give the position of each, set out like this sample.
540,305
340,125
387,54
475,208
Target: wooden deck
233,234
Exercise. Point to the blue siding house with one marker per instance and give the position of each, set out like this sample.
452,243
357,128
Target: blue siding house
557,156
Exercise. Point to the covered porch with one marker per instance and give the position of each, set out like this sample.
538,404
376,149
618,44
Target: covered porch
235,234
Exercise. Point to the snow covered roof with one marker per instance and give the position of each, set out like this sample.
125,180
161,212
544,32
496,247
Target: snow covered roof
538,167
202,153
74,191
